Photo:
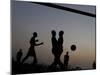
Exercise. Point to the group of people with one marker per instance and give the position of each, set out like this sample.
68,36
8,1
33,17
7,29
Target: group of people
57,49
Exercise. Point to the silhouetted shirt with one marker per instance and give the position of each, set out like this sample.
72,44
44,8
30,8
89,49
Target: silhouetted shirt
32,41
60,42
31,49
54,42
66,59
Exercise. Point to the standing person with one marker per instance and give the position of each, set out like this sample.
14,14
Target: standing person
19,55
54,43
31,51
60,43
60,49
54,47
66,60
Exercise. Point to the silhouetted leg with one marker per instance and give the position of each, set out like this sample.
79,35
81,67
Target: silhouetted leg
61,65
55,62
25,58
59,62
53,65
35,58
66,66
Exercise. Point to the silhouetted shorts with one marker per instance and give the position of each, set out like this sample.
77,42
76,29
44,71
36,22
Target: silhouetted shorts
31,51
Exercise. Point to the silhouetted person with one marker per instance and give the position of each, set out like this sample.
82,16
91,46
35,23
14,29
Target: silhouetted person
66,60
60,42
54,48
94,65
31,51
19,55
54,43
60,48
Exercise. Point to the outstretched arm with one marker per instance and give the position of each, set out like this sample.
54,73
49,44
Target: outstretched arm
39,44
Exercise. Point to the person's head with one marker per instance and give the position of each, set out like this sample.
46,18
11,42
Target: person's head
35,34
61,33
53,32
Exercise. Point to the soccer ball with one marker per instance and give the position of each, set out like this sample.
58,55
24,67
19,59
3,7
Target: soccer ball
73,47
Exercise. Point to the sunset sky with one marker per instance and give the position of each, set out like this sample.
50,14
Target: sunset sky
78,29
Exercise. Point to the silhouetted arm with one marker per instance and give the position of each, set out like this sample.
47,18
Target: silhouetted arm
39,44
